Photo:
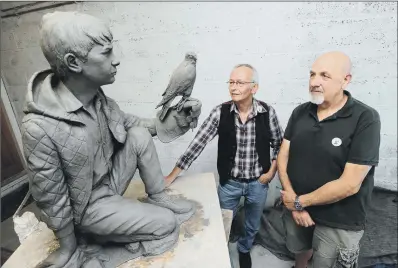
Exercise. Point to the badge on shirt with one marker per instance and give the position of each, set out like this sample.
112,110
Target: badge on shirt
336,142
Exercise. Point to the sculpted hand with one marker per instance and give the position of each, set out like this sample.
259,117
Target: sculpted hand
177,123
302,218
58,258
61,256
187,118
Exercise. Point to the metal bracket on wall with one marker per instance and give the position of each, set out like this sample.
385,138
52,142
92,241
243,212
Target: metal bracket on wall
14,9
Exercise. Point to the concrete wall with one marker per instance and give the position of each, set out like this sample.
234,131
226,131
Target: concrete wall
279,39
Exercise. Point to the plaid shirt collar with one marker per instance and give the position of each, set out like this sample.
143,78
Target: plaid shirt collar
256,108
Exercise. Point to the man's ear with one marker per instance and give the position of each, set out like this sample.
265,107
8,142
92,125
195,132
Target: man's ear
254,89
347,80
73,63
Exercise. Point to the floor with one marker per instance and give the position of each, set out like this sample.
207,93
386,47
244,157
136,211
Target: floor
261,258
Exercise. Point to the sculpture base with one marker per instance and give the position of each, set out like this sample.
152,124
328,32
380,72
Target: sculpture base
202,240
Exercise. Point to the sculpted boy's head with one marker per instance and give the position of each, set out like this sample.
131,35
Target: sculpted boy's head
78,44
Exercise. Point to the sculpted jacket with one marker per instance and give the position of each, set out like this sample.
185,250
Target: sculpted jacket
59,154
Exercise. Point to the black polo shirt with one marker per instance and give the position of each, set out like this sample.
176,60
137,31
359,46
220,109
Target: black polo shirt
319,151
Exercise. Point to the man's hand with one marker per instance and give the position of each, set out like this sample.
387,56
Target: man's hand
302,218
288,199
265,178
177,123
172,176
169,181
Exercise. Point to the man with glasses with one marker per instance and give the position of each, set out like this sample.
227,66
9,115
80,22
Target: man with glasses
247,128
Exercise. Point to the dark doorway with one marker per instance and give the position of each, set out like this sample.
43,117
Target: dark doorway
12,166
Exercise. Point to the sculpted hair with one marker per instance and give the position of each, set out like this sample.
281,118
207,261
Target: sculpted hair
70,32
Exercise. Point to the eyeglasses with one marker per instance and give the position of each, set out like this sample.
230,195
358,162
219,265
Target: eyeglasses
239,84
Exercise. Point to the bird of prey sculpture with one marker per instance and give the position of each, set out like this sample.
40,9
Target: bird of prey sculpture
181,84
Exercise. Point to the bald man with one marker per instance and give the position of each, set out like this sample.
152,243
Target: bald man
326,166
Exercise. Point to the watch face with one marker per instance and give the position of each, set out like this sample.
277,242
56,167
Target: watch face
297,204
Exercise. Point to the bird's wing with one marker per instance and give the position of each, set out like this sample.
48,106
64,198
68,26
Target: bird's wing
182,79
176,73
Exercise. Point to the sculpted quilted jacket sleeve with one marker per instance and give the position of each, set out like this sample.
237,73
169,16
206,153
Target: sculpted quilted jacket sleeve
47,181
130,120
135,121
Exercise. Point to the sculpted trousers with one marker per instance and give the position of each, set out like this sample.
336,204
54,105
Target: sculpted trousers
113,218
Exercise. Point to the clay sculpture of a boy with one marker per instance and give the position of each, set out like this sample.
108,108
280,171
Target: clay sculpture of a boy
82,151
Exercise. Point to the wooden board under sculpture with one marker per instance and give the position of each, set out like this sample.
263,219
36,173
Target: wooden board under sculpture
202,241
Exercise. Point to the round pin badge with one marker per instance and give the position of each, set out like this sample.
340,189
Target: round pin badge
336,142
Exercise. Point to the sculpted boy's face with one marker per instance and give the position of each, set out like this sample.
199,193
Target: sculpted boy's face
101,64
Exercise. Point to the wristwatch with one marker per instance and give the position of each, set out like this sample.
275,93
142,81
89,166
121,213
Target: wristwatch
297,204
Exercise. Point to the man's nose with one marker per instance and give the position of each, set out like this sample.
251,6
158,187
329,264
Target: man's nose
315,82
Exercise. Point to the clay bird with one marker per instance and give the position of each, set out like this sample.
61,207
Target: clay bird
181,84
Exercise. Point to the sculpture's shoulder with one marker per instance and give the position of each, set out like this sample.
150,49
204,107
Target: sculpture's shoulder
36,123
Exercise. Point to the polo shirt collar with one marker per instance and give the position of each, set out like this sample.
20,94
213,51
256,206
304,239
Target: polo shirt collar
345,111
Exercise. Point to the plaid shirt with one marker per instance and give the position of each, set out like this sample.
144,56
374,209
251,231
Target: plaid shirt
246,164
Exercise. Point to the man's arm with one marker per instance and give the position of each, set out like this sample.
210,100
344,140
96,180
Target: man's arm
205,134
348,184
48,189
301,218
282,160
276,133
283,156
275,142
363,154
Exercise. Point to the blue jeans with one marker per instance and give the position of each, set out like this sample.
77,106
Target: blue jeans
255,194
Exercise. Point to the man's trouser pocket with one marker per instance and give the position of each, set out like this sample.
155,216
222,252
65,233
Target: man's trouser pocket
335,248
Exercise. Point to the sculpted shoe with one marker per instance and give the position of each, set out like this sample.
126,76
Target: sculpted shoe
178,206
155,246
160,246
133,247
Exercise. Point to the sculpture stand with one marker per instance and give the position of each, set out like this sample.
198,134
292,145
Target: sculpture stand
202,240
